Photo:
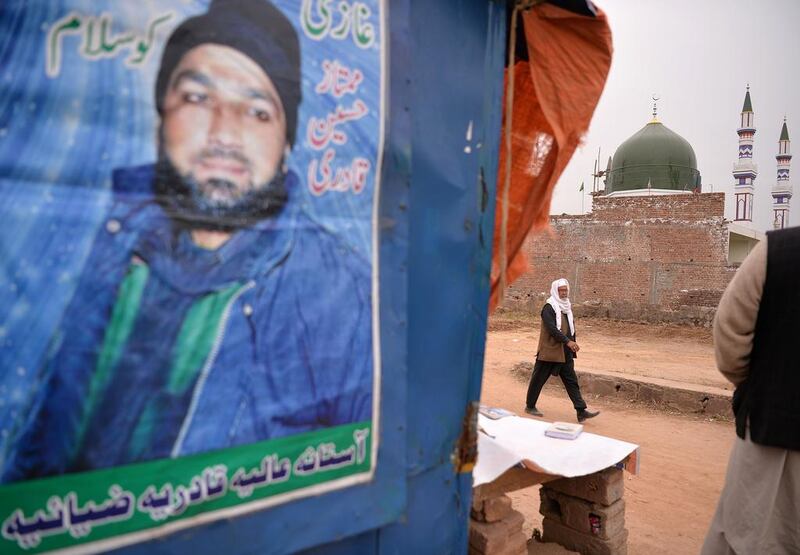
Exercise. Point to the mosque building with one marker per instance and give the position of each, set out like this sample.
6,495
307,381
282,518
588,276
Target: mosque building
655,247
654,161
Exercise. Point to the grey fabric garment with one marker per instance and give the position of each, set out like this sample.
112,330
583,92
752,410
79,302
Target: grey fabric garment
759,509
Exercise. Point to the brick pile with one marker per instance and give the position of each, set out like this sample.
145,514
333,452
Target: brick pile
495,528
586,514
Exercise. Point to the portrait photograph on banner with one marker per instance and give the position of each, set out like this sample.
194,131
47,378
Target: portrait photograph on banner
189,283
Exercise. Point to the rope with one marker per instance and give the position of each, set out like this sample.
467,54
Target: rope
512,43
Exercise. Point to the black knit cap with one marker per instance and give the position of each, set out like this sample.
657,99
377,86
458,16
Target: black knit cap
255,28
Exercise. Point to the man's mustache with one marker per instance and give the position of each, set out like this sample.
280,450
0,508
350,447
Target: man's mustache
221,153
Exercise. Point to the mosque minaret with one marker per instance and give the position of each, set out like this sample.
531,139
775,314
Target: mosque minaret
782,191
744,170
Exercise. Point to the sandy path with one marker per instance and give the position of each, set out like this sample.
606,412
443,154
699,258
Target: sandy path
679,354
670,504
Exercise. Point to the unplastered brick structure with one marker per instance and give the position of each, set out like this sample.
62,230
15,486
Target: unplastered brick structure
648,258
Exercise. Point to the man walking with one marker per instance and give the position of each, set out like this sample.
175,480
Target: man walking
557,350
753,330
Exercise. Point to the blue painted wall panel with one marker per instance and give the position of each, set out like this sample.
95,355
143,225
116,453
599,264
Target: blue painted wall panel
452,223
436,516
454,137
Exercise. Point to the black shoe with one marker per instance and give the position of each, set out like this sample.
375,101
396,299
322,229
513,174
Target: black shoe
584,414
533,411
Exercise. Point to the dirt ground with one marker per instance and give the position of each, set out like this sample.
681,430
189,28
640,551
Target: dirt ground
684,355
683,458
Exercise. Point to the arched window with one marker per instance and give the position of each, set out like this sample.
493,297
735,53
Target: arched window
741,207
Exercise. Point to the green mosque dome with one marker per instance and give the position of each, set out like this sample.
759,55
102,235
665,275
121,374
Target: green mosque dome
657,156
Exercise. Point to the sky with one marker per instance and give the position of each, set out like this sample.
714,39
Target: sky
698,57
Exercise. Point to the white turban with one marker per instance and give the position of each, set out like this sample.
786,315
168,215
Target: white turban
561,305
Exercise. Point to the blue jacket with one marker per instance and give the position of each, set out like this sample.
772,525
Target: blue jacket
292,353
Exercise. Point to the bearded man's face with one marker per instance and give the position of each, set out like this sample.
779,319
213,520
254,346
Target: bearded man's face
222,138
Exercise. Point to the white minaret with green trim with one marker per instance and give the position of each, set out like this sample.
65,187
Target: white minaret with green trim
782,190
744,170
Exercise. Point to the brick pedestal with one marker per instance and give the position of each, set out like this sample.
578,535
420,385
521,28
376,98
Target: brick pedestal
586,514
495,528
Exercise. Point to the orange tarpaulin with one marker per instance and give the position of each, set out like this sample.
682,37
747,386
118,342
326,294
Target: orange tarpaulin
555,94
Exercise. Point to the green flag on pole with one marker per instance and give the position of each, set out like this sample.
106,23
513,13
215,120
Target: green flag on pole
581,189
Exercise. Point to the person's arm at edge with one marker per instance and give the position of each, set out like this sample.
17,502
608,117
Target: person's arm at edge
735,321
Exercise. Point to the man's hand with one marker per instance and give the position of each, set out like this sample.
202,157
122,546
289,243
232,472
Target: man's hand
572,346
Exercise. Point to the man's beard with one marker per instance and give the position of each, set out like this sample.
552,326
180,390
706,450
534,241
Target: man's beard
186,200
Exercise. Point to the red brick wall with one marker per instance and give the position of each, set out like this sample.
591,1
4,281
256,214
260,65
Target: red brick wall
655,258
